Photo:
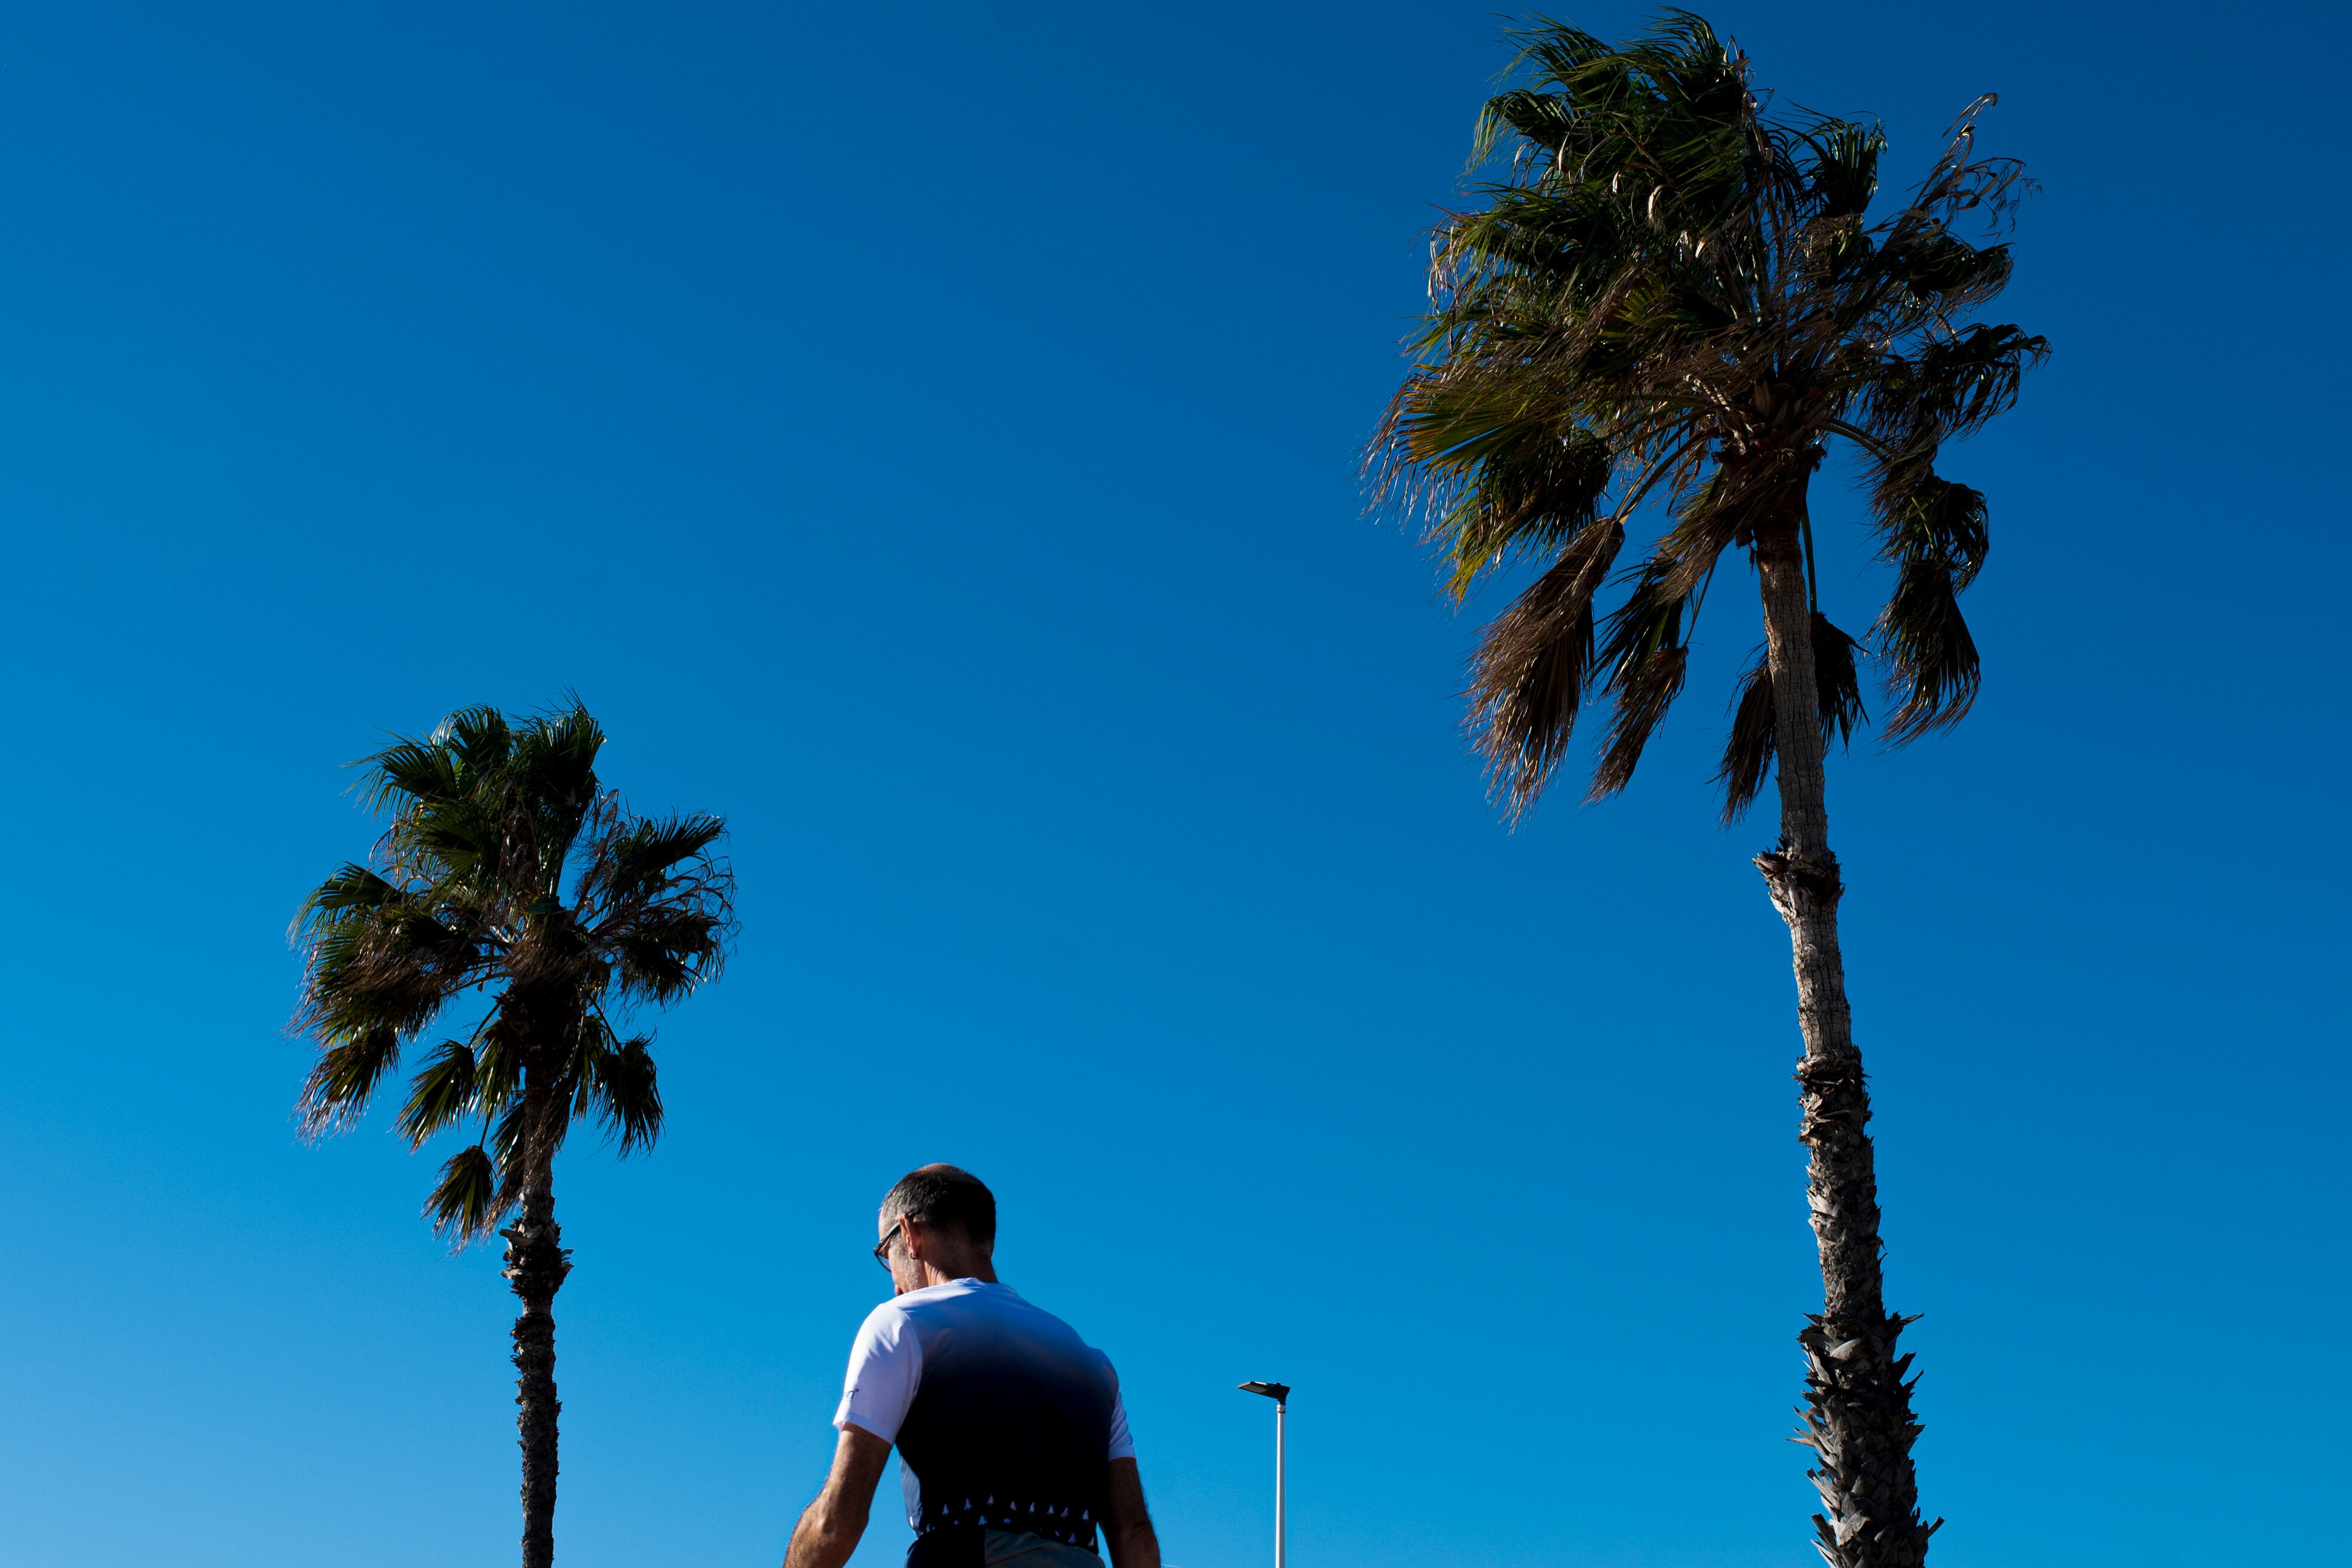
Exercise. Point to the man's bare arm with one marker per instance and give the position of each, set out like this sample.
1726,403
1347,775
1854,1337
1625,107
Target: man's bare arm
1127,1530
828,1532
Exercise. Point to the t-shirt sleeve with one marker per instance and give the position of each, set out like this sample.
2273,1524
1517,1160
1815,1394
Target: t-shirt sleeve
1122,1442
885,1362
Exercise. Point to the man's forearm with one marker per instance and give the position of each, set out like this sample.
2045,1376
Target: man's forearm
1134,1546
824,1539
1127,1522
828,1532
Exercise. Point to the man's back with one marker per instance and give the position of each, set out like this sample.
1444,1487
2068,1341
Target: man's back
1003,1418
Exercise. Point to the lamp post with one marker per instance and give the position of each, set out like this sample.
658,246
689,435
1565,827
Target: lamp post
1280,1394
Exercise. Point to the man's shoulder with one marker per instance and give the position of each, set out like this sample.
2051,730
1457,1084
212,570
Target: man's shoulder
885,1322
897,1317
1028,1322
933,1304
974,1301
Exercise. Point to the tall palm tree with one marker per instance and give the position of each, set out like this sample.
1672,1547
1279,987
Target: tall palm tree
1673,295
508,868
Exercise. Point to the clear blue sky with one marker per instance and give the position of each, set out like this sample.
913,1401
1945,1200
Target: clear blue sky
926,436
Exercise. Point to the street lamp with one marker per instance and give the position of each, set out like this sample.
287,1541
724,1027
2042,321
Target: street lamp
1280,1394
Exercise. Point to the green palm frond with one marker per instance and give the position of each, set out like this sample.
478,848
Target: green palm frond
669,950
558,752
463,1203
498,1063
473,743
1937,545
346,1073
619,1086
353,888
508,1134
637,861
1537,499
411,770
390,965
516,1153
1947,389
441,1095
1843,175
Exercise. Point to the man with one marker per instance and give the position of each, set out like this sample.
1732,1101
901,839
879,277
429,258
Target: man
1013,1442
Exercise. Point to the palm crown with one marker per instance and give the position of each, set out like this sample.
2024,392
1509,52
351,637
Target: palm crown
1674,294
506,866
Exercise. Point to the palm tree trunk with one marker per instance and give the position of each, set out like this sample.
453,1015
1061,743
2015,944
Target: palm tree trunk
1858,1416
536,1265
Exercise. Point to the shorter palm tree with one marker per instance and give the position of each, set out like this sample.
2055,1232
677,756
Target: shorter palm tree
508,868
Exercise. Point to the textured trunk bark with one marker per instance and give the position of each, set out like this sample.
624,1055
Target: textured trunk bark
1858,1416
536,1265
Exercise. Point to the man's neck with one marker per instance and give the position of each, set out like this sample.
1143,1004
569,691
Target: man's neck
962,1268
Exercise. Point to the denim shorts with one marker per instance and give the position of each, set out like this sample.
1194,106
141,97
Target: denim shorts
967,1546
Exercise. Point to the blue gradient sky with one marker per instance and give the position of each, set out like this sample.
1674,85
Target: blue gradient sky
926,435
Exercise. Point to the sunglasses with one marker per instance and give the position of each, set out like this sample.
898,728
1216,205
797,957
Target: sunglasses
882,1247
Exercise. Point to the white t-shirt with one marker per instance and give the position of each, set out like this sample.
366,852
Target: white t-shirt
1000,1374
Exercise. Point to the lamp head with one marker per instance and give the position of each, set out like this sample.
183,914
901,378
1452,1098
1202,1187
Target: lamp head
1277,1392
